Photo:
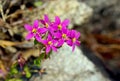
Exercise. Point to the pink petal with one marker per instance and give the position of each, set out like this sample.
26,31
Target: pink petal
29,36
46,18
51,30
42,21
54,41
45,42
55,27
73,48
64,30
65,22
77,35
69,42
36,23
57,20
48,49
57,35
42,30
49,37
60,43
72,33
2,73
54,48
78,43
28,27
38,37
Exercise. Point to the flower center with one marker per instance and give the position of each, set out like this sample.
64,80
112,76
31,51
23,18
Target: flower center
49,42
64,35
74,39
46,25
34,30
59,26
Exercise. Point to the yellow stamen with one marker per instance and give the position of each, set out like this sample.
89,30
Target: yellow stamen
64,35
59,27
49,42
46,25
74,39
34,30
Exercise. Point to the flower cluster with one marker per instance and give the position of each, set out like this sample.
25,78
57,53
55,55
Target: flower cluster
52,34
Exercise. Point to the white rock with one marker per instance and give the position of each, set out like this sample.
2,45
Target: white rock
66,65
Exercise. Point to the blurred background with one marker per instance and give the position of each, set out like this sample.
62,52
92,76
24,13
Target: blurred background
97,20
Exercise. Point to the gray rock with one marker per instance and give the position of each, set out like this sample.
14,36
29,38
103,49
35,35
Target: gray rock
105,8
97,4
66,65
77,12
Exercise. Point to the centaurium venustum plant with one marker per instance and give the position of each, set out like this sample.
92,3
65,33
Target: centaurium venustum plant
52,34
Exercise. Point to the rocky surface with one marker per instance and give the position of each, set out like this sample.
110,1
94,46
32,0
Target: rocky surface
66,65
77,12
108,10
98,4
105,20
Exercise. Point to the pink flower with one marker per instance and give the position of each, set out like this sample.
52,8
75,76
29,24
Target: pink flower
49,44
53,34
62,36
73,39
21,61
47,23
34,31
2,73
58,25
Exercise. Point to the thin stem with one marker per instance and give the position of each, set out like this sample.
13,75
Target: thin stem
2,13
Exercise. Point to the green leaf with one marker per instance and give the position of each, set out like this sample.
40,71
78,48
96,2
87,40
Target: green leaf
37,62
27,71
35,42
28,74
42,56
48,55
14,79
38,3
26,68
14,70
